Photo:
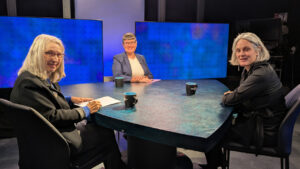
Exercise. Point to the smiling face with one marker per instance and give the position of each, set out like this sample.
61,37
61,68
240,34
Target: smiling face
53,57
130,46
245,53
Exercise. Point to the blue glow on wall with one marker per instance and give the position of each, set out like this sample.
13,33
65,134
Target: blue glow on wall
184,50
82,40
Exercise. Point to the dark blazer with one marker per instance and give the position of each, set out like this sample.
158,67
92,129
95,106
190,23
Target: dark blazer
259,101
121,66
259,88
48,100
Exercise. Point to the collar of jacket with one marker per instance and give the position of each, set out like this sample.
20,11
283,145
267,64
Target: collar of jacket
256,65
253,67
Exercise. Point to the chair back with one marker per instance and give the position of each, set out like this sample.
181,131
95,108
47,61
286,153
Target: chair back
292,96
108,79
40,144
287,125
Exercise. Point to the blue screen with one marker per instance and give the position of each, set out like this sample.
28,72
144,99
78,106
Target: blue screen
82,40
184,50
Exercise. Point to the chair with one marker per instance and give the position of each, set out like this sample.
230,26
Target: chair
40,144
285,135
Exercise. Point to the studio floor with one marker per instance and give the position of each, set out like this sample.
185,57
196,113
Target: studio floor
9,155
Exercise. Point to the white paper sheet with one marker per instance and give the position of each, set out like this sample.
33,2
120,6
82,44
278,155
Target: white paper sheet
105,101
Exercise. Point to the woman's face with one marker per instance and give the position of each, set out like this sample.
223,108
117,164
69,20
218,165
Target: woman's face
130,46
53,56
245,53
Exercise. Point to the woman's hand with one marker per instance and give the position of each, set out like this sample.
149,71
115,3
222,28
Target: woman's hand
228,92
77,100
94,106
141,79
145,79
136,78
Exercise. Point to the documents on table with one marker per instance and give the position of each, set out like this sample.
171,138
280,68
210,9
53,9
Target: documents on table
105,101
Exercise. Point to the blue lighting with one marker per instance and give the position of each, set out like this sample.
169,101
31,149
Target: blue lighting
82,40
184,50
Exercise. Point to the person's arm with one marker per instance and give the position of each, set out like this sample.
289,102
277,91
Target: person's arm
252,86
86,111
146,68
89,109
148,74
37,96
77,100
117,70
68,98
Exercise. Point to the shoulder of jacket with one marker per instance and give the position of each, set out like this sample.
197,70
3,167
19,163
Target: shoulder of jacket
120,55
28,78
140,56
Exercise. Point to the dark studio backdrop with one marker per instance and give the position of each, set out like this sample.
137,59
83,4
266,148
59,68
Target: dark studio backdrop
238,13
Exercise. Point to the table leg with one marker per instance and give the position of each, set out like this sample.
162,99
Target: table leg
144,154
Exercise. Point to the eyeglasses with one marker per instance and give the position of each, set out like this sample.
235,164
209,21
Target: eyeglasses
130,43
53,54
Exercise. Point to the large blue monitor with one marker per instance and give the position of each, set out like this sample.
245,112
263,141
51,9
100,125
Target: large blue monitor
184,50
82,40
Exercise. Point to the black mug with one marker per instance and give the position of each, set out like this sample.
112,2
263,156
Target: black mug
119,81
130,99
191,88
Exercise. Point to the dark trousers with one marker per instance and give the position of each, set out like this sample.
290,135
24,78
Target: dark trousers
214,157
99,141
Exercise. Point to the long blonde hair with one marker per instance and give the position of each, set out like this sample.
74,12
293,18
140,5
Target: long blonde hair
263,53
35,61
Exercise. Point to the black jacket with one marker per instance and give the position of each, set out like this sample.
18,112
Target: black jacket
259,100
259,88
48,100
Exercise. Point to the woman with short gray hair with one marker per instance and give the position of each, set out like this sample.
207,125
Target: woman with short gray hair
263,53
258,101
130,65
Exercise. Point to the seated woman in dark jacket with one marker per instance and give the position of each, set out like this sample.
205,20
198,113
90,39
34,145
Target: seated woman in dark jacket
131,66
37,87
258,100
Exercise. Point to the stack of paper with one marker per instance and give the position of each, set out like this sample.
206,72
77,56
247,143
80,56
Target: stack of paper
105,101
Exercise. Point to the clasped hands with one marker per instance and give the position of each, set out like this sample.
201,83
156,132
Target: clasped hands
94,106
141,79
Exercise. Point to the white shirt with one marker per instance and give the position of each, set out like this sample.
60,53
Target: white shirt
136,67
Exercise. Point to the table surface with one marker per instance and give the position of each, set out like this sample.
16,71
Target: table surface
164,113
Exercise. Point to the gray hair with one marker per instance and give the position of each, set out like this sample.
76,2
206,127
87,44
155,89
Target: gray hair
35,61
128,36
259,47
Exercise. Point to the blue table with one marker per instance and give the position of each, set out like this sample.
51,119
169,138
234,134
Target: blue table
164,117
